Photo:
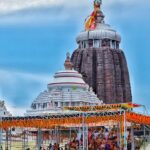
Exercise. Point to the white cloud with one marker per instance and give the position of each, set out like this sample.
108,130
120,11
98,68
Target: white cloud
19,89
27,11
7,6
12,76
15,111
11,10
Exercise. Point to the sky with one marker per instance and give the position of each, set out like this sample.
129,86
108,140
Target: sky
35,36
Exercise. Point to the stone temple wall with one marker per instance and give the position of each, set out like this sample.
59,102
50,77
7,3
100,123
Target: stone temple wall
106,71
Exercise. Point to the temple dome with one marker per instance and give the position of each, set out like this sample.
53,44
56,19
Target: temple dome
66,89
3,110
67,78
102,31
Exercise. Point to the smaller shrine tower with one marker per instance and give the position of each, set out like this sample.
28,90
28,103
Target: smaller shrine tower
67,89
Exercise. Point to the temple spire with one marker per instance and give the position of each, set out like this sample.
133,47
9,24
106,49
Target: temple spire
97,3
96,17
99,17
68,65
96,58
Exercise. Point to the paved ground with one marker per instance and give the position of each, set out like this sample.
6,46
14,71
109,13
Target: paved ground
18,146
146,147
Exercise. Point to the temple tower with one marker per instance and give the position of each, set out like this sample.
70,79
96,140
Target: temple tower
101,61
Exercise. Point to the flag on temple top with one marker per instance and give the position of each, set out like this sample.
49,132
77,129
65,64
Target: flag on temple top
90,23
134,105
130,105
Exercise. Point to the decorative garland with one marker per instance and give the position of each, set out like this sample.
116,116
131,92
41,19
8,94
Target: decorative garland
138,118
124,106
76,120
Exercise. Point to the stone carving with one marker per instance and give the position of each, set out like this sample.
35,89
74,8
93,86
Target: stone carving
105,70
101,62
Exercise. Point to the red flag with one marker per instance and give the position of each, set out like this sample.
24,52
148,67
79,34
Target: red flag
134,105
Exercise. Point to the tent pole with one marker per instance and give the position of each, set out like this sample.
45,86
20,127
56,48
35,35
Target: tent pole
83,131
125,138
132,136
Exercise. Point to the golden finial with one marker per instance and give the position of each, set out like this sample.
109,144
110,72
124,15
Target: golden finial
68,65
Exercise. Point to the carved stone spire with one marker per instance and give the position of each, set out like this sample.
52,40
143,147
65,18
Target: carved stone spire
97,4
68,64
101,61
96,17
99,14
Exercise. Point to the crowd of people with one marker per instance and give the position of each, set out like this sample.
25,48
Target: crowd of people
99,139
56,146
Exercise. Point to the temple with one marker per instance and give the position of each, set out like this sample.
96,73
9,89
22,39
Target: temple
101,61
67,89
3,110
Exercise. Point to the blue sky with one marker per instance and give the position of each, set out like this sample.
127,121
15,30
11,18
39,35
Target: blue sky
36,34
